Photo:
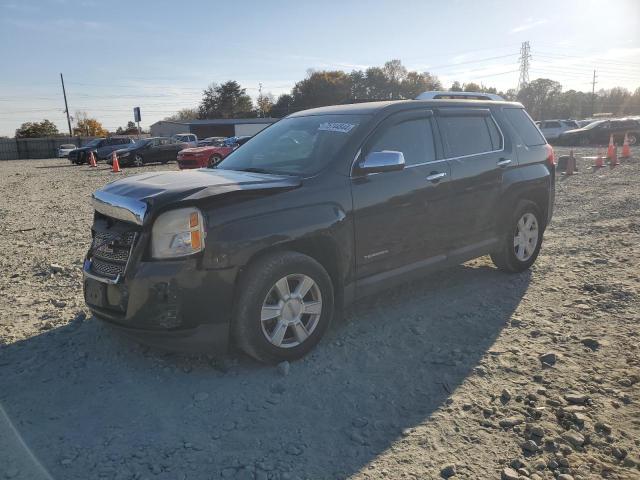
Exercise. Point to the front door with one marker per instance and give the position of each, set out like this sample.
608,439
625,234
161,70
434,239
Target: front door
399,215
477,156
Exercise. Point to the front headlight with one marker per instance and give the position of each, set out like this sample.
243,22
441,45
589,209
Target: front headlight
177,233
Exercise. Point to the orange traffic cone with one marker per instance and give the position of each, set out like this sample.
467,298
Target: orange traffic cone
115,165
599,160
626,149
92,160
571,164
614,161
610,150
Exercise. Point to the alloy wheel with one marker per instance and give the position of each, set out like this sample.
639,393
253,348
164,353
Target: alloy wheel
291,311
137,161
526,239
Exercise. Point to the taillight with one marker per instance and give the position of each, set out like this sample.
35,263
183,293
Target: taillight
551,157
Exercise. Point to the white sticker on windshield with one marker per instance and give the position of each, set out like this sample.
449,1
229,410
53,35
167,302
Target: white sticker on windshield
337,127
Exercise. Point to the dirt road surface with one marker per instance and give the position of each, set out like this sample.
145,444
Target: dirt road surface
471,373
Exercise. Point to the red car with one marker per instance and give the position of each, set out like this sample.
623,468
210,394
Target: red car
208,156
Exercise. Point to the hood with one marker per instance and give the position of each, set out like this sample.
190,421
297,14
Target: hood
149,192
196,150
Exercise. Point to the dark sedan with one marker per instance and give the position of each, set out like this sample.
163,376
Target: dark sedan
599,132
101,148
149,150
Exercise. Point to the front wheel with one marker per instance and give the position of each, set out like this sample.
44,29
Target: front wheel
632,138
284,306
521,243
138,161
214,160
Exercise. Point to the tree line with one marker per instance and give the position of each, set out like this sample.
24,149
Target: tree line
543,98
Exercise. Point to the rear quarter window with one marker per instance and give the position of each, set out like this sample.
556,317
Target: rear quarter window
466,135
525,127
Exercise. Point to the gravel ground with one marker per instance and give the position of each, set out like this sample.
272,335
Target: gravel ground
469,374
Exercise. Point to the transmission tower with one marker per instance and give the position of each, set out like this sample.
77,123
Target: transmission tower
525,55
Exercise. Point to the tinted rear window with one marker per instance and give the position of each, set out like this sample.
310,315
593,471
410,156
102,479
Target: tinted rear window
524,125
465,135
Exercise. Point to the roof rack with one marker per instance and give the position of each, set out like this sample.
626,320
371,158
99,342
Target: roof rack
435,95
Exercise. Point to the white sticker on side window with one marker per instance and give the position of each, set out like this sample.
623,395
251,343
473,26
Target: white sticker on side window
337,127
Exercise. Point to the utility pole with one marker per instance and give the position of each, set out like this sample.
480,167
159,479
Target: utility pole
593,93
260,113
525,55
66,107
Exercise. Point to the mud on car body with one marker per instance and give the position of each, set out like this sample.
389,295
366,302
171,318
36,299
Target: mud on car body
323,207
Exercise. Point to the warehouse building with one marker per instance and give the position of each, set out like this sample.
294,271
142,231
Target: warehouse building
227,127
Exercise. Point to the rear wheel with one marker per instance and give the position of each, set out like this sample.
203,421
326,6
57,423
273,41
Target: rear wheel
284,306
521,243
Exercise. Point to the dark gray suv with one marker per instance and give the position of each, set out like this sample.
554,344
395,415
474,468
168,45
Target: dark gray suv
323,207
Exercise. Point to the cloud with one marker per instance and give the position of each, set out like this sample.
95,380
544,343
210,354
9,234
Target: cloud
528,25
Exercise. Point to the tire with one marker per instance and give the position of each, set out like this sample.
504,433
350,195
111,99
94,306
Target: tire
138,161
513,258
262,293
214,160
633,138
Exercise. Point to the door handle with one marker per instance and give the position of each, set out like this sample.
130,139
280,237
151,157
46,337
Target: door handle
503,162
434,177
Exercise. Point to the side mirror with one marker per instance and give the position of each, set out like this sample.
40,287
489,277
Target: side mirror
384,161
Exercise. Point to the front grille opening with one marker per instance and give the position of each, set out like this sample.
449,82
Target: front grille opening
111,247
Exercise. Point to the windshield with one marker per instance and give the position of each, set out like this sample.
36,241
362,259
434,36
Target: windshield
295,146
67,146
140,143
94,143
594,124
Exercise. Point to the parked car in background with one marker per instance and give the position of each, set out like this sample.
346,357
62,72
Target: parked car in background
599,132
552,129
324,207
207,142
101,148
105,151
148,150
209,156
189,138
63,150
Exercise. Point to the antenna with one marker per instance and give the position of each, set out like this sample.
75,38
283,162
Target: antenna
525,55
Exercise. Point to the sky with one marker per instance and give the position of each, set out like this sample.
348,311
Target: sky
160,55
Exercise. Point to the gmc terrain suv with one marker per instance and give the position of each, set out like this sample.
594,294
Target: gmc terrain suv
323,207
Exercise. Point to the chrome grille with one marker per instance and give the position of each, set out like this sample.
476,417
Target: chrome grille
110,252
110,270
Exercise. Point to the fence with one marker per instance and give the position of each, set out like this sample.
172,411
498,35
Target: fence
19,148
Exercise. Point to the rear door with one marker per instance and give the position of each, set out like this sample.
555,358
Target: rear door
154,152
474,148
399,216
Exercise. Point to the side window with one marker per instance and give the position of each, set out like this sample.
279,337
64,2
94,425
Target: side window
465,135
524,126
412,137
494,133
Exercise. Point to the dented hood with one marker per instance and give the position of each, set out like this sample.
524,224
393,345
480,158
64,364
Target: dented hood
134,198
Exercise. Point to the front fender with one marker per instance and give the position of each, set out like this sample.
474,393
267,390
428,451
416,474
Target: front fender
235,243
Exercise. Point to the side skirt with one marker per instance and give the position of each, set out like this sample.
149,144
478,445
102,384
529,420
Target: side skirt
382,281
